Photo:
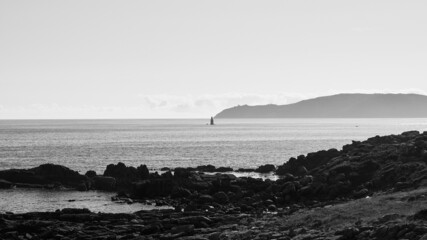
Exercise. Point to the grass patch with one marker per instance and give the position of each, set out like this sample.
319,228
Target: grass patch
364,210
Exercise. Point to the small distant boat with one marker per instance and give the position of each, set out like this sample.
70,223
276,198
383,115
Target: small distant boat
212,121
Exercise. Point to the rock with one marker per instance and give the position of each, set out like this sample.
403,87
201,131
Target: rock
206,168
75,211
58,173
82,187
348,233
361,193
224,169
104,183
245,170
126,175
288,188
272,208
306,180
221,197
206,198
421,215
186,229
90,174
152,188
302,171
5,184
181,173
266,168
180,192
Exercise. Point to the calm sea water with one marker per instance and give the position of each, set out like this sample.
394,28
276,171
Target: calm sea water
92,144
43,200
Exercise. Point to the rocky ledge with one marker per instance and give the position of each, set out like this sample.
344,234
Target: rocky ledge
400,215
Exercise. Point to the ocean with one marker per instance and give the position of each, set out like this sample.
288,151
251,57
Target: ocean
84,145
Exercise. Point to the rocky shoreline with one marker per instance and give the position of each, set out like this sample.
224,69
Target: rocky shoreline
212,203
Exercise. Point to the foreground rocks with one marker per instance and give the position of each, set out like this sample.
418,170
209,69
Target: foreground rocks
209,225
212,203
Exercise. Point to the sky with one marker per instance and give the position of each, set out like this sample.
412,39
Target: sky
191,59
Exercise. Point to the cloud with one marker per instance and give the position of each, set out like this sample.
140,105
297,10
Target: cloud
213,103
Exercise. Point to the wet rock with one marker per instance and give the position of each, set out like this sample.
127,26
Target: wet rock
266,168
224,169
181,173
245,170
180,192
220,197
82,187
152,188
5,184
206,168
90,174
104,183
126,175
43,175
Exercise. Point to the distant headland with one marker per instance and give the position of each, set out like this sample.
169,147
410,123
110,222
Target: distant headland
338,106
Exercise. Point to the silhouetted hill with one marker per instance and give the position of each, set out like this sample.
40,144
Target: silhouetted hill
339,106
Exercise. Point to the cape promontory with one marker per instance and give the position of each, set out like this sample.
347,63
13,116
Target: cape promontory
339,106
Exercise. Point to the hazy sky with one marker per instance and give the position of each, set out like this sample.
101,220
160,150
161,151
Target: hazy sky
156,59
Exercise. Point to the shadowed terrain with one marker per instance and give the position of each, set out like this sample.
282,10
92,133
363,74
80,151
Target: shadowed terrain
339,106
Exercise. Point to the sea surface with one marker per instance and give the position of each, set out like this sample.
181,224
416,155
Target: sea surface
93,144
239,143
45,200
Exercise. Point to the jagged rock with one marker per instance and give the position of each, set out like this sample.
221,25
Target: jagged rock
126,175
266,168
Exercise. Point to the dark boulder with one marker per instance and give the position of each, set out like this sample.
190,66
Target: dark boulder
180,192
224,169
5,184
125,175
181,173
152,188
43,175
121,171
206,168
221,197
421,215
90,174
266,168
104,183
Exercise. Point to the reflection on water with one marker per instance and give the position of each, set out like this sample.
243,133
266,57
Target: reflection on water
41,200
84,145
